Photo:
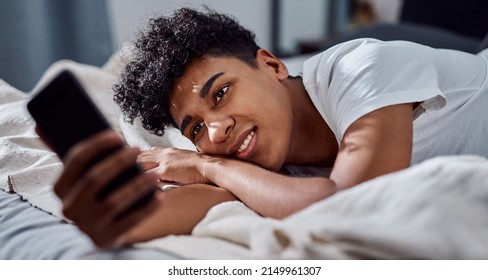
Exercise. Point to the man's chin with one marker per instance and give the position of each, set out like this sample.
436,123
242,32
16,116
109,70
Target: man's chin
271,166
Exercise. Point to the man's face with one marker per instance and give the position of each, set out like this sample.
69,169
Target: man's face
226,107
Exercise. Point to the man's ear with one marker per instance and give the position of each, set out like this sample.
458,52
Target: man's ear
267,59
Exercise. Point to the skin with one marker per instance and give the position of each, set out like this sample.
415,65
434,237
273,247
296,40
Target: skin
217,103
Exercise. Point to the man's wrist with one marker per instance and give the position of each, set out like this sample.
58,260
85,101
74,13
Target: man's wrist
215,169
207,167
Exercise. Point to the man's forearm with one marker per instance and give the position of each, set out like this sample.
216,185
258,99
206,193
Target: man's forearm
180,211
268,193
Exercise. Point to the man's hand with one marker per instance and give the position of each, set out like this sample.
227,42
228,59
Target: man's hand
176,165
103,220
268,193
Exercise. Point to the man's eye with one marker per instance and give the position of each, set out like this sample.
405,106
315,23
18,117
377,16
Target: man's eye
196,128
220,93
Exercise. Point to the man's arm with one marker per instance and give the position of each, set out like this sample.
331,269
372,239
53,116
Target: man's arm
268,193
378,143
181,209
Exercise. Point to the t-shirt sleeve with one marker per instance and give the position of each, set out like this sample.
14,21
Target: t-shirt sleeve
377,74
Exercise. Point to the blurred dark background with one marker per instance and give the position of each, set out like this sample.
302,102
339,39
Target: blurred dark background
468,17
452,24
37,33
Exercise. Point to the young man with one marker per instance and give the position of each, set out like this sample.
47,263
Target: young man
364,108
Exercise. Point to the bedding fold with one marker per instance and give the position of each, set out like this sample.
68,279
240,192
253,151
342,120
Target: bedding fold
27,166
435,210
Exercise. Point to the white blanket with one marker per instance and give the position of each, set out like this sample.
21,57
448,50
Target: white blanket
436,210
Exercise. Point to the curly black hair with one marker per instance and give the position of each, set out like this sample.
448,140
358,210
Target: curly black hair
161,54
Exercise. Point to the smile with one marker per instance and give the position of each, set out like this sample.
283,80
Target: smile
246,142
247,147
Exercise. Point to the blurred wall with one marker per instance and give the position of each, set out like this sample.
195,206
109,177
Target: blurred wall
128,16
36,33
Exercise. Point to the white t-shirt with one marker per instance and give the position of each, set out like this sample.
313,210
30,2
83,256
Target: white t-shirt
355,78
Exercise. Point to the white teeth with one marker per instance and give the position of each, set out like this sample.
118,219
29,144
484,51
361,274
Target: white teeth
246,142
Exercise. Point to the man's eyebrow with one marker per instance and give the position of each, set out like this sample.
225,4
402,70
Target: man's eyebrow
203,93
206,87
184,123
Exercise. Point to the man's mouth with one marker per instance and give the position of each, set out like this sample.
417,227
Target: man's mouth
247,146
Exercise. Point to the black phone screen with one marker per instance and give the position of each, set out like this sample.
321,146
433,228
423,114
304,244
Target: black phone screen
65,115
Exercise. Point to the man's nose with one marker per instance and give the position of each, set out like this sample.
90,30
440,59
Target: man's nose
219,128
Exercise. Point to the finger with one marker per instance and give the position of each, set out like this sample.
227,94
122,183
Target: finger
169,175
80,156
99,176
98,220
129,221
42,137
119,201
111,232
148,165
161,172
150,155
161,150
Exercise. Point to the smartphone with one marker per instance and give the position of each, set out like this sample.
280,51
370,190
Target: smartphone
65,115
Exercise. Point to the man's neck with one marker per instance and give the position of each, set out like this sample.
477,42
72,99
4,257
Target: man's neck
313,142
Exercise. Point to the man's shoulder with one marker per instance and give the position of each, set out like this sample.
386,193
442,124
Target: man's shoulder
361,47
359,54
321,65
348,47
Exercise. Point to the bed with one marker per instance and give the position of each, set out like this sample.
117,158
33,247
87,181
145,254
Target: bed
435,210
